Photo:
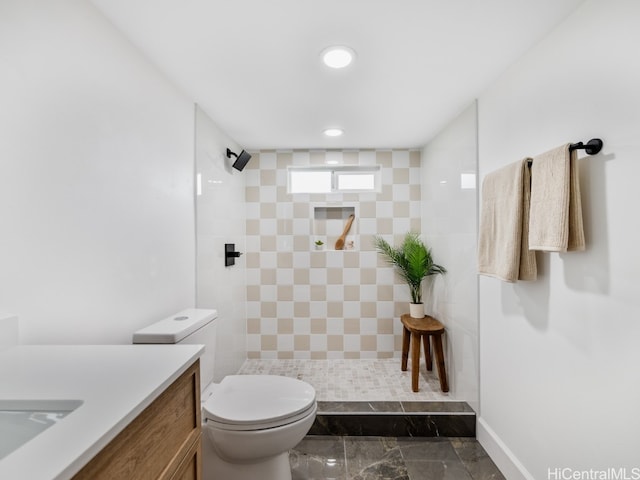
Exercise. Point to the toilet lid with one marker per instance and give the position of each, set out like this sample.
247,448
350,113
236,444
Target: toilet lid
258,401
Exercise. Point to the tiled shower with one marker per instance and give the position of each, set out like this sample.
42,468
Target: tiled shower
329,304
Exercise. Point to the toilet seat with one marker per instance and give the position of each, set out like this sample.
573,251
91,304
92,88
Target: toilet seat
257,402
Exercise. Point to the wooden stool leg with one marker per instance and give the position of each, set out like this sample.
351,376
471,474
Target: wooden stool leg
406,338
442,374
427,351
415,360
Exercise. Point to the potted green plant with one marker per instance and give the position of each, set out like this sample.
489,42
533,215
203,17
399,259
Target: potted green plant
319,244
413,262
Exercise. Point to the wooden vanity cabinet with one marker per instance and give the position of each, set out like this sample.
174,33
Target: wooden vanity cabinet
162,443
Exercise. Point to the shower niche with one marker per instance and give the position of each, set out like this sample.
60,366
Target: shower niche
328,226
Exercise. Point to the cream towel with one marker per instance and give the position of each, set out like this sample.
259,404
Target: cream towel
555,221
503,250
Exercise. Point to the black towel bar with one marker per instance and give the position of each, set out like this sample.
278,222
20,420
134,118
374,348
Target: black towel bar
592,147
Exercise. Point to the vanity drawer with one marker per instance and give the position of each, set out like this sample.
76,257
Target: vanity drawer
157,443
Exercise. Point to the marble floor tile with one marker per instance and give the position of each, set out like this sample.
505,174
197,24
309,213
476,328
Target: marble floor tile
392,458
318,457
476,460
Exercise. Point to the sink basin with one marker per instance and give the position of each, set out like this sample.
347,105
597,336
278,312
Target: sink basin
22,420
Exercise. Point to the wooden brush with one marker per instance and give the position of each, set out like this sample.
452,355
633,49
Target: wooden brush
341,238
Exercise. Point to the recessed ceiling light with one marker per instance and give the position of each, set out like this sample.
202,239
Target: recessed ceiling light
338,56
333,132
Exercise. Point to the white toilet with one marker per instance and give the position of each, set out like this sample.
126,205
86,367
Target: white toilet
250,422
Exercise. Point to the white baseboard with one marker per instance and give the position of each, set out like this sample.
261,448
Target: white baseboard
504,458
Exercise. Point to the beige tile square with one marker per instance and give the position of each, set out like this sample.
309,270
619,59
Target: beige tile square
368,276
318,259
268,309
385,226
415,225
301,243
415,193
285,325
366,243
267,211
268,243
268,342
335,343
301,309
267,177
351,158
252,259
385,325
400,308
415,158
383,158
285,355
318,292
301,210
351,355
252,194
285,259
282,195
253,325
253,226
352,293
334,276
283,159
253,293
317,157
351,259
302,342
401,176
334,309
301,276
397,343
351,197
318,325
285,292
318,355
386,195
368,343
368,309
267,276
385,293
352,326
401,209
254,355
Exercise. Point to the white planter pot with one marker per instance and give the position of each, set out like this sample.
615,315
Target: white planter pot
416,310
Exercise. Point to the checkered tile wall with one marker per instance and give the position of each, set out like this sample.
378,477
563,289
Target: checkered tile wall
304,303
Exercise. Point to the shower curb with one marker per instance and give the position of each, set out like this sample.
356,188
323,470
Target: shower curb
395,419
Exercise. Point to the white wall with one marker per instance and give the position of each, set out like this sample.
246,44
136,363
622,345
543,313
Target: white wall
560,383
221,218
96,179
449,226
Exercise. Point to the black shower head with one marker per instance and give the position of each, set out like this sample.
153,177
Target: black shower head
241,160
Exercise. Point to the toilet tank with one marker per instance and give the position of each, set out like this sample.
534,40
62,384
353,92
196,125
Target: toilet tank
190,326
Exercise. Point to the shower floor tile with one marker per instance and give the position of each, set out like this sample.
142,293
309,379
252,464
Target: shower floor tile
353,379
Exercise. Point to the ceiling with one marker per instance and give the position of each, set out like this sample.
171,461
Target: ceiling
254,65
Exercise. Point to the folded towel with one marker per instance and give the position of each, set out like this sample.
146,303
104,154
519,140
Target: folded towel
503,250
555,220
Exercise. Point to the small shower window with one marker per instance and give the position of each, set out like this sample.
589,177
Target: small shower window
333,179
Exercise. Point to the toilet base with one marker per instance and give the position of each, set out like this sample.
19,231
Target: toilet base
214,467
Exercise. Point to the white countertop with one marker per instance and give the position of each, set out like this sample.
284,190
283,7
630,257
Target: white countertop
114,382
